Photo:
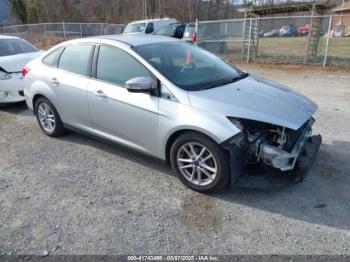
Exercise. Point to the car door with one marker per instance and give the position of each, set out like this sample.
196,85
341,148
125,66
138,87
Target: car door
70,82
128,118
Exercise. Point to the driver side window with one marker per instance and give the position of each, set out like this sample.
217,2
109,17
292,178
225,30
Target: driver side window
116,66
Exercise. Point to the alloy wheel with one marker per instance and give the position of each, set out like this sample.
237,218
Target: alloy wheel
196,163
46,117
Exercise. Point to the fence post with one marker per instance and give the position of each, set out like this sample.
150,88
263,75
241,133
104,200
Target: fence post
243,37
81,31
45,33
225,39
196,32
101,29
64,31
249,39
327,42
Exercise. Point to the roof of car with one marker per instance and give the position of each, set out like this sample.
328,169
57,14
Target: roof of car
152,20
8,37
138,39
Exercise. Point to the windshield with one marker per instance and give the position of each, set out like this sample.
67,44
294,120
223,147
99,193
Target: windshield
135,28
15,46
189,67
168,30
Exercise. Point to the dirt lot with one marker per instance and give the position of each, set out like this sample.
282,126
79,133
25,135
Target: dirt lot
76,195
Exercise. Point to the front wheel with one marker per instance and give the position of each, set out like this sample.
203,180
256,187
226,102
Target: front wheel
199,162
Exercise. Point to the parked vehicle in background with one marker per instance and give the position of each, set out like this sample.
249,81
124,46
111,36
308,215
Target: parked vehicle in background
208,36
189,31
304,29
339,30
261,33
147,26
176,102
272,33
173,30
15,53
288,30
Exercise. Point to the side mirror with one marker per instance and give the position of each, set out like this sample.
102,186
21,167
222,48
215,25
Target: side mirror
139,85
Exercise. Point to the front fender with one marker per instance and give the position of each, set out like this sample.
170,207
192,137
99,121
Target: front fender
174,117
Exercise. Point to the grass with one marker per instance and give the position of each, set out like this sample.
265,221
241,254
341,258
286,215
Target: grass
294,50
297,46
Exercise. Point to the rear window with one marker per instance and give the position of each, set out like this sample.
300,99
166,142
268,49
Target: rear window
75,59
52,58
189,30
168,31
135,28
15,46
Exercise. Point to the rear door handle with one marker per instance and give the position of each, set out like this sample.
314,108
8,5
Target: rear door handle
100,93
54,81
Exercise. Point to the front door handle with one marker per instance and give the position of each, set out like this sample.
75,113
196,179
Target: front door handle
54,81
100,93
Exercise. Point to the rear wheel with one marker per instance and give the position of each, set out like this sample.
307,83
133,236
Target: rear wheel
199,162
48,118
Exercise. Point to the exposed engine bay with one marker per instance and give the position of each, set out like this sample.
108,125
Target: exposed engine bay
271,145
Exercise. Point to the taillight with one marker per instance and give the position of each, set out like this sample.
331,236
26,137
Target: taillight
25,70
194,38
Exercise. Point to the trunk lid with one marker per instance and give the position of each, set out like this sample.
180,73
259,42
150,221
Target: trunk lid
15,63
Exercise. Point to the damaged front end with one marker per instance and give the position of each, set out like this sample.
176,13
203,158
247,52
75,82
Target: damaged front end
271,154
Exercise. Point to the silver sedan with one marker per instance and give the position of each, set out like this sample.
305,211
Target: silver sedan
174,101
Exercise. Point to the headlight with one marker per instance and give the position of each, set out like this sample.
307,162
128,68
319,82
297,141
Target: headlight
236,122
4,76
3,94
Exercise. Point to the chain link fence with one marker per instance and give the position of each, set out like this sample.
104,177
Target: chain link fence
321,40
290,39
48,34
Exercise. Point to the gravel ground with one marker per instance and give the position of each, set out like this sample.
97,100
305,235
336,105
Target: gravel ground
76,195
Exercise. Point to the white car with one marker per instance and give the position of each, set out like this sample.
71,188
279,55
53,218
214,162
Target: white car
147,26
15,53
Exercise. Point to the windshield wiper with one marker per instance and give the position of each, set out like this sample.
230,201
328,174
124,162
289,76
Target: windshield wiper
241,76
226,81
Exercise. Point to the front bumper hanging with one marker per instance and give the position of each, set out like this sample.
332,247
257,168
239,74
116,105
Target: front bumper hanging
256,177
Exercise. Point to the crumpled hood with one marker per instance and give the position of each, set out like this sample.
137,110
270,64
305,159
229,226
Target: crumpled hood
259,99
15,63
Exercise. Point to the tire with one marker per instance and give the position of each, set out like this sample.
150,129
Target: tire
48,118
194,172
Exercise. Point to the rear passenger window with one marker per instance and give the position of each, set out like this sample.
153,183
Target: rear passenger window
116,66
75,59
52,58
